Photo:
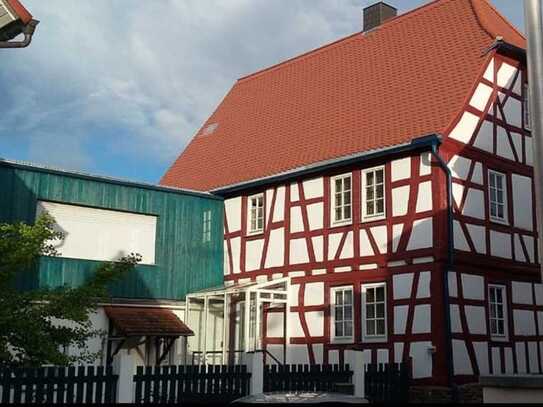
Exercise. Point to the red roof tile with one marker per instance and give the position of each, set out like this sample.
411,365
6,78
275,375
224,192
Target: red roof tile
408,78
140,321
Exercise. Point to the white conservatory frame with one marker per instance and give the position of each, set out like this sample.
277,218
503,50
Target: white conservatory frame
258,293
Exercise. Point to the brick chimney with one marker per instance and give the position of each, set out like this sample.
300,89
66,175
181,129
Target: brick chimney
377,14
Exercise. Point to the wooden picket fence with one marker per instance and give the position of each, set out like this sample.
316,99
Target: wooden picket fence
305,377
191,384
387,382
57,385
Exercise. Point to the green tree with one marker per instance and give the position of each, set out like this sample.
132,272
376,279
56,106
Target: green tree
36,326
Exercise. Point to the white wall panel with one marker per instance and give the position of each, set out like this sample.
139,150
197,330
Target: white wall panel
489,73
313,188
253,254
398,352
539,294
400,200
296,220
400,319
424,200
421,234
481,96
294,193
401,285
496,361
522,293
365,245
513,112
478,237
465,128
473,287
462,363
503,148
298,251
485,137
401,169
380,235
276,249
318,248
101,234
477,177
521,357
232,209
524,322
474,205
481,355
333,244
422,319
500,244
476,319
235,244
509,366
423,289
459,167
522,201
425,164
533,357
453,286
315,216
456,325
396,236
422,359
348,250
279,210
315,322
314,294
506,75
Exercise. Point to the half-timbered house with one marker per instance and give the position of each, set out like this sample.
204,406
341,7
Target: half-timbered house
387,178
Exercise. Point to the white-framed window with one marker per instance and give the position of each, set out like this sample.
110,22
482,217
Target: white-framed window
527,119
497,198
373,193
342,202
342,314
497,311
374,311
206,227
256,213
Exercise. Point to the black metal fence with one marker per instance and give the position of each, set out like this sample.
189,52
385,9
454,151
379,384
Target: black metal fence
191,384
387,382
305,377
57,385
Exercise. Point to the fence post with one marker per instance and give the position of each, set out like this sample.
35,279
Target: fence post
125,368
355,359
255,365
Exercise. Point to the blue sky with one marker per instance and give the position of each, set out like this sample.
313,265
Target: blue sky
119,87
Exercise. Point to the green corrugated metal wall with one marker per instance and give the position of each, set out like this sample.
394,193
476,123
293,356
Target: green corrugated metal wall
183,262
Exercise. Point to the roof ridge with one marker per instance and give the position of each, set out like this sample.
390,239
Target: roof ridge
492,34
324,47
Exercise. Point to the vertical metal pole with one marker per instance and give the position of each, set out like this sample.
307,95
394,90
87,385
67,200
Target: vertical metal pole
258,345
534,33
225,325
187,311
206,313
247,320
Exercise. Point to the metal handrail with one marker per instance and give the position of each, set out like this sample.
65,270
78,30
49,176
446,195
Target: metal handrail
267,352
